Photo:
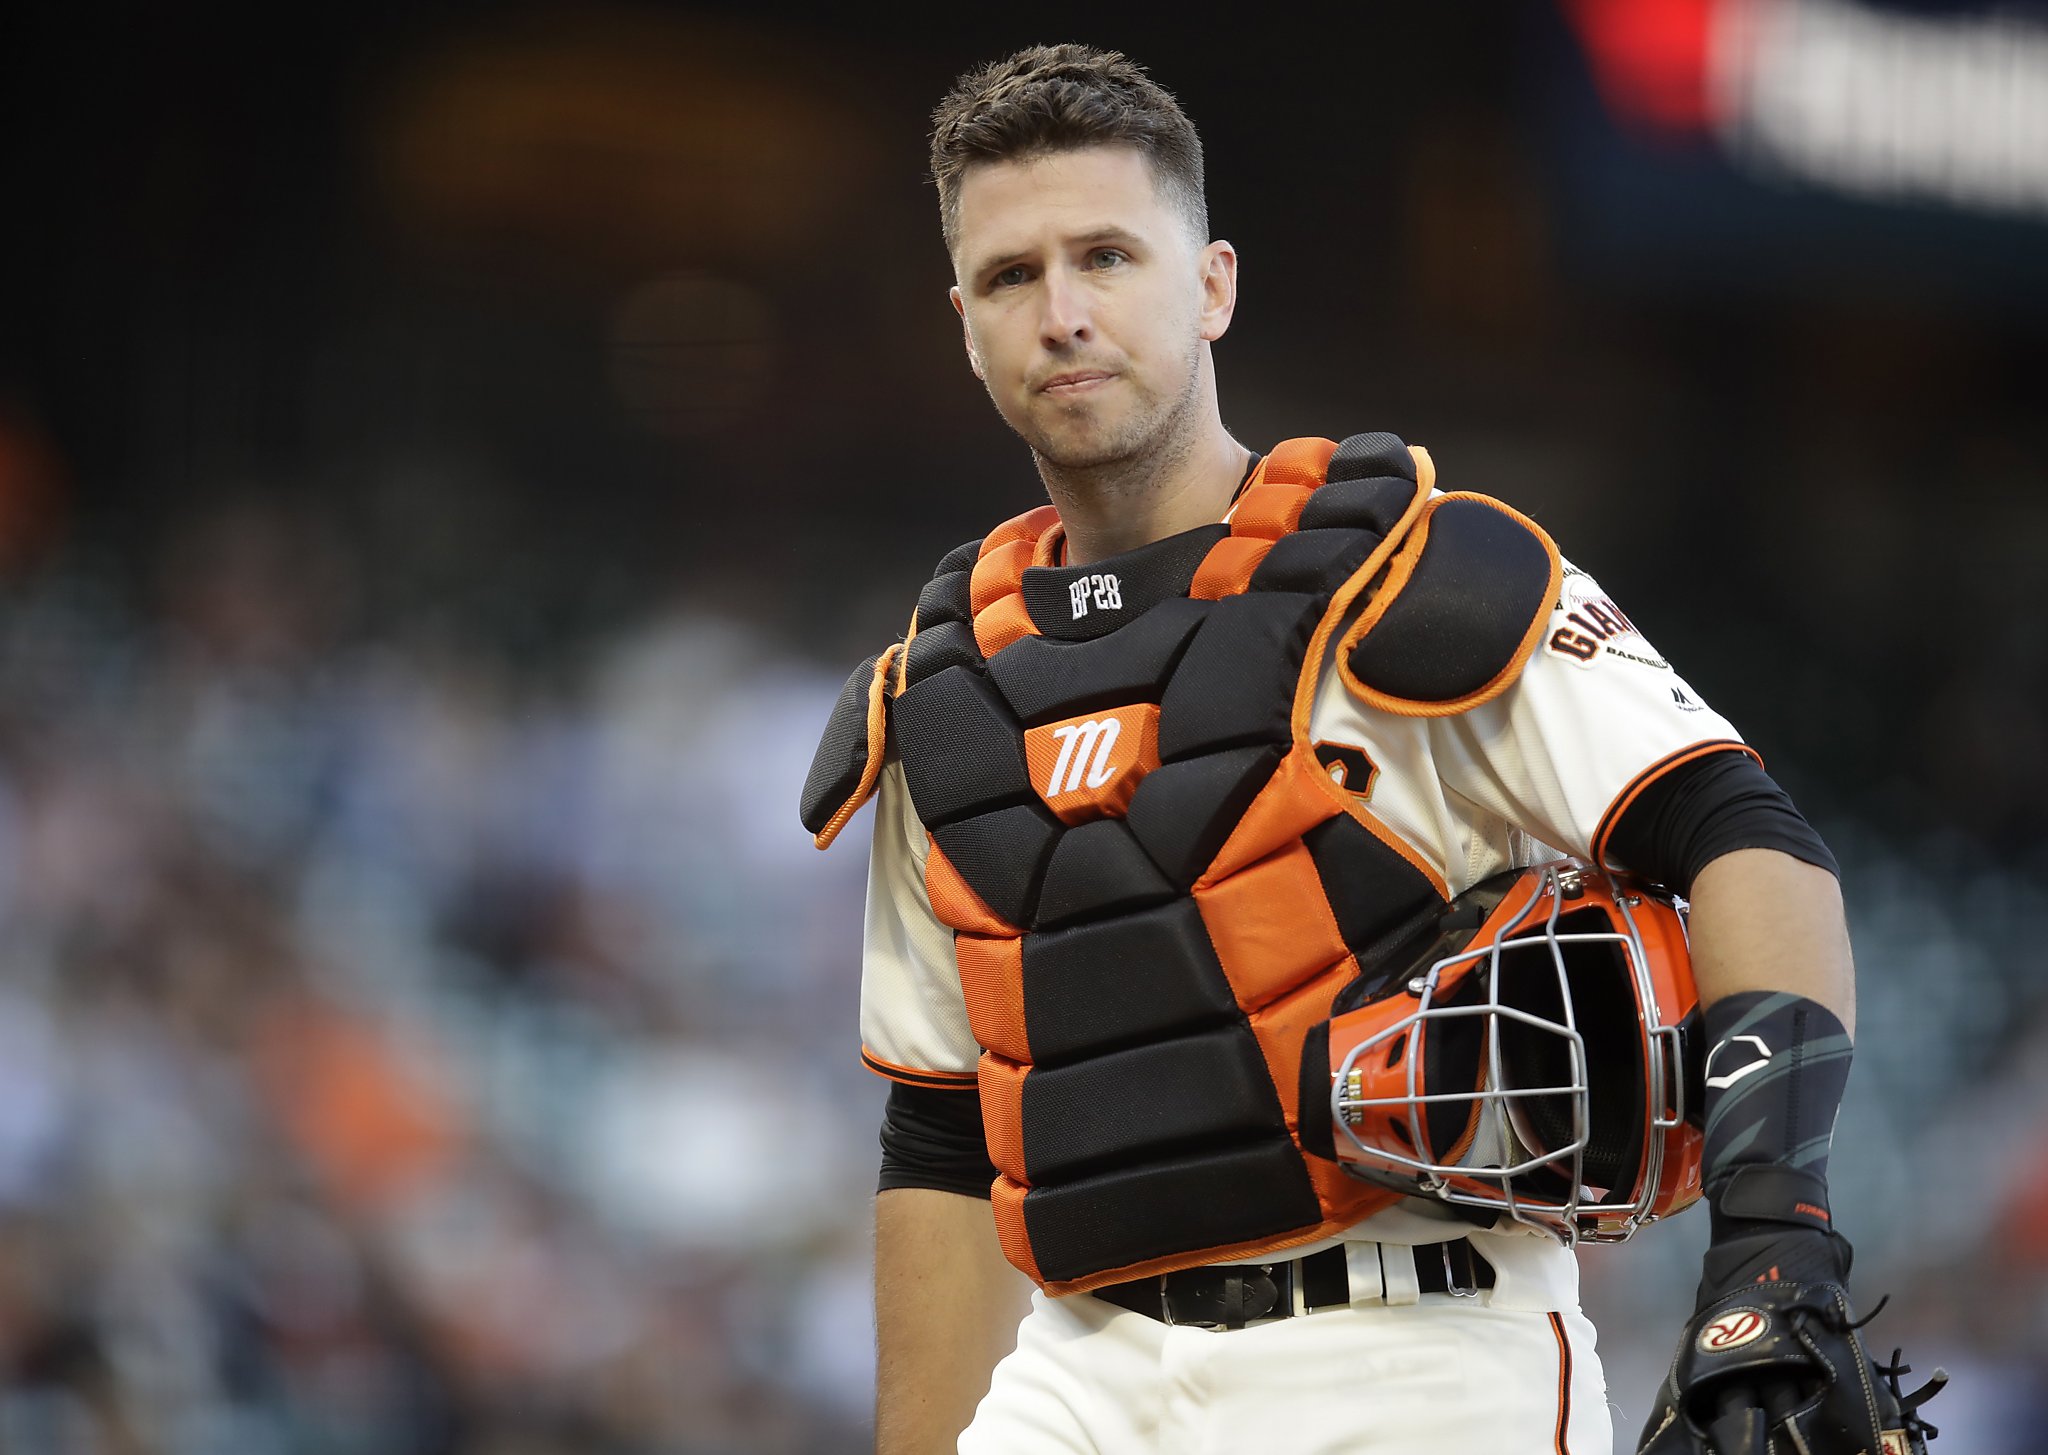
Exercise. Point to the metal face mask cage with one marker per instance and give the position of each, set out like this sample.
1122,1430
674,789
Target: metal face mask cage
1534,1066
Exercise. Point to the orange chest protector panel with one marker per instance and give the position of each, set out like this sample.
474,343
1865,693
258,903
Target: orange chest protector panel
1155,888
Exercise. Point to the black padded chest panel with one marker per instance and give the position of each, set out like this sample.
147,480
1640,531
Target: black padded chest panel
1046,680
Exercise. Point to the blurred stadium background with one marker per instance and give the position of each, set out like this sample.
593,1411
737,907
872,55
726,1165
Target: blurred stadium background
450,454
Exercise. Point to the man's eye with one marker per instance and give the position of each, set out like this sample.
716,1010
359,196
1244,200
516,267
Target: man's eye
1107,258
1011,277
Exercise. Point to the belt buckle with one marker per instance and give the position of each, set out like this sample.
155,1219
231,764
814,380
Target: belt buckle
1279,1275
1166,1308
1451,1284
1166,1311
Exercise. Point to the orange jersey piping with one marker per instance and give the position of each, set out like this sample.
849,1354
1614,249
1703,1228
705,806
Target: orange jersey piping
910,1076
1651,774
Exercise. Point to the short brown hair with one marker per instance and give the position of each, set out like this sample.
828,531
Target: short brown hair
1059,98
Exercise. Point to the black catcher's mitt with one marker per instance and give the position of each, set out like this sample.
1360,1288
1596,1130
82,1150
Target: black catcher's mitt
1777,1369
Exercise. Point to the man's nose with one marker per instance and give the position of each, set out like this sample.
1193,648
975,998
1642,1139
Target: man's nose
1065,319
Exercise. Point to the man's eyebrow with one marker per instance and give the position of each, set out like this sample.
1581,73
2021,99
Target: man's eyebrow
1108,232
993,261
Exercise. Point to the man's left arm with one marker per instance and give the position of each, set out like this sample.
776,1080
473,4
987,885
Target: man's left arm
1770,1357
1601,749
1763,921
1771,1347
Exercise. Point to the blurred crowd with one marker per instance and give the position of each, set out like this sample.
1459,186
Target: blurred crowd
405,1048
401,1051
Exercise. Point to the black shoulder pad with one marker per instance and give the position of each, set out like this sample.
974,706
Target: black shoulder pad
1366,456
1377,503
1460,611
849,757
961,558
946,597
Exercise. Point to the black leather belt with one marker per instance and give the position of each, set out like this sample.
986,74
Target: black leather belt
1231,1295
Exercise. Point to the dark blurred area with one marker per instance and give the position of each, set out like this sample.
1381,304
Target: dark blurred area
451,454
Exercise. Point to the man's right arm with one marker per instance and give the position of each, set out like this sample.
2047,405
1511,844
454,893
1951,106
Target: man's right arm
947,1306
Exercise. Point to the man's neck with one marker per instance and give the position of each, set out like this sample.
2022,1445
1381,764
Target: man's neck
1112,508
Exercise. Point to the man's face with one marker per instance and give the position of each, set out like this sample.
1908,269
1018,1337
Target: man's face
1086,302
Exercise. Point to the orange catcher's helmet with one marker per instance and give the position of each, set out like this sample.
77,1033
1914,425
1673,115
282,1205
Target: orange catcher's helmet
1525,1052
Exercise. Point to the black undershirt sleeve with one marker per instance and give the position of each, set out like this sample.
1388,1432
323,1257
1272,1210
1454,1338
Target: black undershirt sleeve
932,1137
1706,808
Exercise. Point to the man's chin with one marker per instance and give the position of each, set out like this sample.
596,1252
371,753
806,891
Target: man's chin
1078,459
1084,449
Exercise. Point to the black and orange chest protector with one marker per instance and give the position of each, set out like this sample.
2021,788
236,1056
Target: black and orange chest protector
1155,886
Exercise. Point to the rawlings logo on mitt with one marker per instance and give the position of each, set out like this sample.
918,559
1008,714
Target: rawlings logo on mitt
1734,1329
1776,1367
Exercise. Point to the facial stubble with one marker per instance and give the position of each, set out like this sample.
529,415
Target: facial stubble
1148,443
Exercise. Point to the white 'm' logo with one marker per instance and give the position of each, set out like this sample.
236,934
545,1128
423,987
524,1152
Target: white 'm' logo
1104,593
1078,741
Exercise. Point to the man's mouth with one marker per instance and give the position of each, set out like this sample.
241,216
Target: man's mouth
1075,381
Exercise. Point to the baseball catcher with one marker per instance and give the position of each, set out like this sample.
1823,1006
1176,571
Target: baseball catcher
1246,1079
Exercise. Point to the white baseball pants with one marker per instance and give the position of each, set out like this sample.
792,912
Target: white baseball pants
1511,1371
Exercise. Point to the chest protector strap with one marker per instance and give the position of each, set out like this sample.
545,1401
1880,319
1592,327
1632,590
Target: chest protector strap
1155,888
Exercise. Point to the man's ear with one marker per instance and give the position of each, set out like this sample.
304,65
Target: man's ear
966,333
1219,289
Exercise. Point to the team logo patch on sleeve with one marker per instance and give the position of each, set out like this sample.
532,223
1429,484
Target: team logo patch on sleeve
1586,625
